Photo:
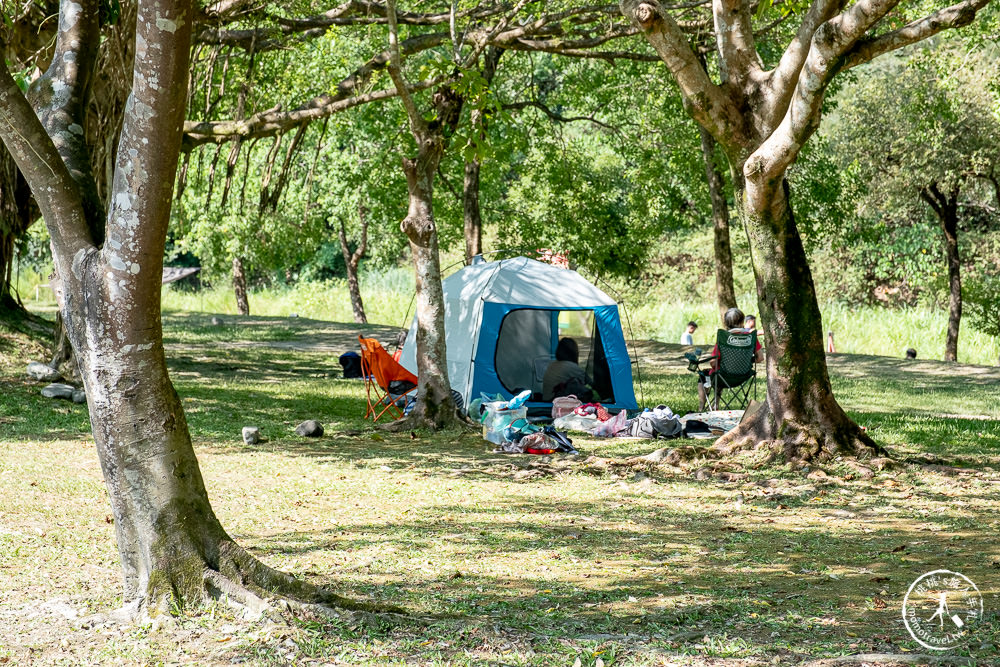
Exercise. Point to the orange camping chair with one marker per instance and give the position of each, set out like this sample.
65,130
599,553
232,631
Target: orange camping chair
380,370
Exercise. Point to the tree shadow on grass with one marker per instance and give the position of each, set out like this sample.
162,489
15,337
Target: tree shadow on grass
183,330
677,575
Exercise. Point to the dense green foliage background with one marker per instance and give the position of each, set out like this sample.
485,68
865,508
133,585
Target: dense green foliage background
598,160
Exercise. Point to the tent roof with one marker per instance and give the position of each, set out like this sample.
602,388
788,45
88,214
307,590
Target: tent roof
174,273
524,281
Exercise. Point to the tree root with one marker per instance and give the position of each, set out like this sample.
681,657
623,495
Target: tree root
242,570
799,442
238,597
418,422
888,660
247,585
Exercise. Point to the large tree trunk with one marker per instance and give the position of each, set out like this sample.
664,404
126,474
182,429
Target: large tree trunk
946,208
434,405
240,286
472,213
763,115
724,290
802,420
352,260
173,549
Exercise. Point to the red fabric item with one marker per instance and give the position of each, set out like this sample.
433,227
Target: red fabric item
379,370
539,451
595,409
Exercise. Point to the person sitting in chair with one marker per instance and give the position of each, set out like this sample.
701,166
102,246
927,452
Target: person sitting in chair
564,377
733,321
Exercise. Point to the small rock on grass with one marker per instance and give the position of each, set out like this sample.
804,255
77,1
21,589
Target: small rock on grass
42,372
79,396
310,429
251,435
58,390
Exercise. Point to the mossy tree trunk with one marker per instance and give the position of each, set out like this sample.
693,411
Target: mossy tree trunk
801,418
762,117
173,549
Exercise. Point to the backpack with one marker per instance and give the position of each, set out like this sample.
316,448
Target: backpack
659,423
351,362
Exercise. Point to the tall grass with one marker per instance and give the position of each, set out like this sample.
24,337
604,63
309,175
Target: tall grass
387,298
857,330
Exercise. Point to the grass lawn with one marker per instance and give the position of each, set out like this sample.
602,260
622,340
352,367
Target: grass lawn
503,559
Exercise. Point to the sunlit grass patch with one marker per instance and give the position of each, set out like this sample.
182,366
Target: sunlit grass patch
505,559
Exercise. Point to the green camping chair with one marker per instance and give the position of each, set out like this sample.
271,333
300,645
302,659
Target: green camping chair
736,372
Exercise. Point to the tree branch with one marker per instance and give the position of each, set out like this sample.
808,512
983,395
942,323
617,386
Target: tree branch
417,124
954,16
60,97
54,189
739,62
358,12
781,80
535,104
146,162
992,178
703,100
800,119
275,121
348,94
267,39
489,37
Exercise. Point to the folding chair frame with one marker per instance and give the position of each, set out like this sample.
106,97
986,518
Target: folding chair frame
738,394
375,394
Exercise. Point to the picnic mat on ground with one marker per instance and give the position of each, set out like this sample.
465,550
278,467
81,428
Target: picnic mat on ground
719,421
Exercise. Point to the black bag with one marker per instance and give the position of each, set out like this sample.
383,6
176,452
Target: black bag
695,428
351,363
559,440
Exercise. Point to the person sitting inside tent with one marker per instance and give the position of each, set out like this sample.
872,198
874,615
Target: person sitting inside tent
564,377
733,321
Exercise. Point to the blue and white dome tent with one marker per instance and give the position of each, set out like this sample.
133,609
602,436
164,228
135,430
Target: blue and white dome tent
503,320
